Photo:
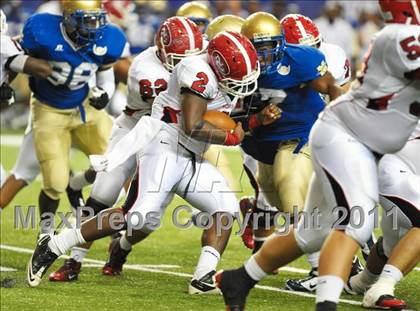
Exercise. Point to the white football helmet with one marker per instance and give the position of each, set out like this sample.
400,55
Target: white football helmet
3,22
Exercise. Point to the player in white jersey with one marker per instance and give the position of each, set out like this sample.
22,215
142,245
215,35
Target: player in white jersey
172,162
12,58
147,78
397,252
300,29
375,117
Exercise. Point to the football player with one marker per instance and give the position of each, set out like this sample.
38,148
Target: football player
147,78
196,11
397,252
172,161
344,152
299,29
80,45
13,58
293,81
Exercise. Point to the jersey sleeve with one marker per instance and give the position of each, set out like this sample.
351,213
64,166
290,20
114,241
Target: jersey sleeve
402,55
29,39
116,43
195,74
9,47
338,63
311,64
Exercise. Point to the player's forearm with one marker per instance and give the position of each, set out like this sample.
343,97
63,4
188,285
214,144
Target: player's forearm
335,91
32,66
204,131
105,79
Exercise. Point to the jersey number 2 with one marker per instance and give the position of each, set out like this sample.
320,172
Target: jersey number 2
200,85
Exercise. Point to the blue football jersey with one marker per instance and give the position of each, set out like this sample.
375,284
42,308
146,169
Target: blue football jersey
287,87
44,37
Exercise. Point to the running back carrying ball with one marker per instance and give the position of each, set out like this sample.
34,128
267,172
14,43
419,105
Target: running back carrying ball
219,119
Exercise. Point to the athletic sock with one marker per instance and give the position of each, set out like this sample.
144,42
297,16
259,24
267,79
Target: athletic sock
254,270
124,243
390,271
78,181
67,238
79,253
329,288
208,261
47,208
313,260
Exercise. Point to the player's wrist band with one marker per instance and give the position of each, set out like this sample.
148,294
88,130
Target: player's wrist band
231,139
253,121
17,63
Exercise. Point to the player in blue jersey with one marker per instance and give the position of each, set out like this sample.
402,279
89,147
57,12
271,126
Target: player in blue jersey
81,47
293,76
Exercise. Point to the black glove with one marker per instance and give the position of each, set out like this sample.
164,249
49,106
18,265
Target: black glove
99,98
7,95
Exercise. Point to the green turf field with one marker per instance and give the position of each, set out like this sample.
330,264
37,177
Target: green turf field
158,270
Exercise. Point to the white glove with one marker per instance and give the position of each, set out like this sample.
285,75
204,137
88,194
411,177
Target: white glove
98,162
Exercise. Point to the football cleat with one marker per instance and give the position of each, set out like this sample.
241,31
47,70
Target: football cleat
247,205
233,288
42,258
307,284
68,272
204,285
385,302
116,260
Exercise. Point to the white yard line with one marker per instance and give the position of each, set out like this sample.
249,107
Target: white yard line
7,269
148,268
9,140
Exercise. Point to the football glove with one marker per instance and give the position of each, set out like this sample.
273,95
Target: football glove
99,98
7,95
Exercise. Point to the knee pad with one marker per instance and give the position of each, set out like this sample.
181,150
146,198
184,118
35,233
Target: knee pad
380,249
95,205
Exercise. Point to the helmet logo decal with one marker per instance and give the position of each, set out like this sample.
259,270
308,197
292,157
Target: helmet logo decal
99,50
221,64
283,70
166,35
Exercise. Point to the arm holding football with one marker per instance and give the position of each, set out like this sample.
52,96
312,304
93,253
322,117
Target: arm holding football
194,107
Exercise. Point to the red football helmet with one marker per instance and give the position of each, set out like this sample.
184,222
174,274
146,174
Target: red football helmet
401,11
120,12
299,29
177,38
234,60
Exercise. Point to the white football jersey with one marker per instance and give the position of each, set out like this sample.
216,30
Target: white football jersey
338,63
147,77
193,73
8,48
382,107
410,154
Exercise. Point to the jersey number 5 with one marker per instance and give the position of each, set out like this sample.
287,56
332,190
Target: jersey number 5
200,85
411,46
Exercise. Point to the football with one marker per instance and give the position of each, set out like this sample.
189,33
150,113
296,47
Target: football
219,119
